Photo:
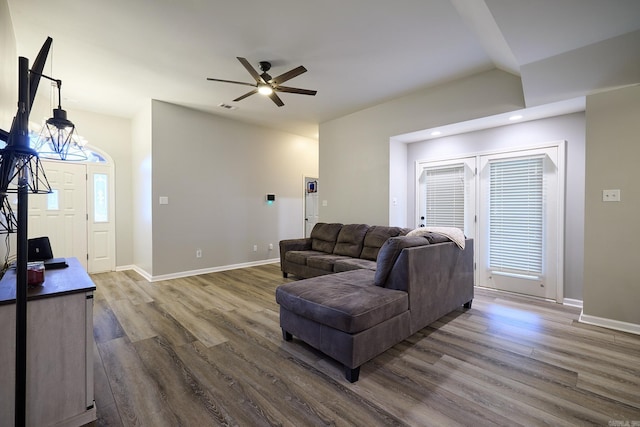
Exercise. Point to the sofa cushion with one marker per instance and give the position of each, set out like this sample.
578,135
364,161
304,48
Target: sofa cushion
301,257
375,238
350,240
324,262
324,236
344,301
389,253
349,264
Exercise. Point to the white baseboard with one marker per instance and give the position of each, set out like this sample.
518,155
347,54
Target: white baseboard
572,302
610,323
143,273
181,274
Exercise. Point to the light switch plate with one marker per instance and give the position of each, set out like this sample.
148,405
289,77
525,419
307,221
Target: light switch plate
164,200
610,195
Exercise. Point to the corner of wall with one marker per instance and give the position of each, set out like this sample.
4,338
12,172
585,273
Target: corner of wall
141,130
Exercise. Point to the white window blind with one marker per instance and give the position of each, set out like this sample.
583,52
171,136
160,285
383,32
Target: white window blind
444,198
516,215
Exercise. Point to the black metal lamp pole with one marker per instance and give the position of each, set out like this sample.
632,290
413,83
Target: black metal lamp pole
19,160
20,144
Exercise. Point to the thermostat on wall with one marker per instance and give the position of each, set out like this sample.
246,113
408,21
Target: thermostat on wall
271,198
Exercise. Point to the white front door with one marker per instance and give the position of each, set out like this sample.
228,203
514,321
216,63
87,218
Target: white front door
62,215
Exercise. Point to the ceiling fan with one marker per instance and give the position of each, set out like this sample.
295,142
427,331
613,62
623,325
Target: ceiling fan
267,85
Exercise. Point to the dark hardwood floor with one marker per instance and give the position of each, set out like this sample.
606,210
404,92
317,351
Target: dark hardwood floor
208,350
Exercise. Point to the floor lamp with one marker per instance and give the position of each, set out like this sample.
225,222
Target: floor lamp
21,172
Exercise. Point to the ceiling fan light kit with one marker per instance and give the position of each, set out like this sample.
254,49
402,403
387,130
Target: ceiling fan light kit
267,85
265,90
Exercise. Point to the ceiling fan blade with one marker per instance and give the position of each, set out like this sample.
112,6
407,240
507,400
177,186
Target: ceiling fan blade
275,98
231,81
288,75
295,90
245,95
251,70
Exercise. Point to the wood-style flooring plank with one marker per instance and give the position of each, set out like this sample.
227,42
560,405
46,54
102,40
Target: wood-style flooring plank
138,396
196,323
310,400
106,325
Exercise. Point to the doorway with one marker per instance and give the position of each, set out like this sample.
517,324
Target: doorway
511,203
78,215
311,215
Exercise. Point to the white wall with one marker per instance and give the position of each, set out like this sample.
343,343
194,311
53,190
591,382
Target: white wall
216,173
355,152
8,69
601,66
8,88
570,128
612,252
398,187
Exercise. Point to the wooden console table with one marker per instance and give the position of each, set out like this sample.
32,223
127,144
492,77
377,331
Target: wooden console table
59,348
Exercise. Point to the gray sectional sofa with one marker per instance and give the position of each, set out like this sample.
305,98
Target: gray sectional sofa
333,248
365,289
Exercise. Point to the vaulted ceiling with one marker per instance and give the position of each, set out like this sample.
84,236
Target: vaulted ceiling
113,56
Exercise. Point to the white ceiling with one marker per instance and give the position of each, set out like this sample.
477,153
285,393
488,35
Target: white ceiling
113,56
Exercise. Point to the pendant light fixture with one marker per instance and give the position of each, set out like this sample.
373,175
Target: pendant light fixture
58,139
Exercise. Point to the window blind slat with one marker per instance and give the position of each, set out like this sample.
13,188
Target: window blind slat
444,188
516,215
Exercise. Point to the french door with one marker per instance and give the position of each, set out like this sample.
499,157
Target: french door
446,194
520,217
512,204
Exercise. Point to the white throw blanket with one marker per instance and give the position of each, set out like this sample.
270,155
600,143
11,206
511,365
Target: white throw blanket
455,234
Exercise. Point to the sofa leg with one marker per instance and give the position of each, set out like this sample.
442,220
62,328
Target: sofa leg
468,304
286,335
285,275
352,374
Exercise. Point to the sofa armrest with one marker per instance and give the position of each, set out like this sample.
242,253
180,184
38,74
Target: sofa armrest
439,278
294,245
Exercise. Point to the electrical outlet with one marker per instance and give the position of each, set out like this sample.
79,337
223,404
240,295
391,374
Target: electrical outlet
270,246
198,253
255,248
611,195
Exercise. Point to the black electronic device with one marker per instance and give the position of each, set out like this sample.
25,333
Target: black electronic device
40,250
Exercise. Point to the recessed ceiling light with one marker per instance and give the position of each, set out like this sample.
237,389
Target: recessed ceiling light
436,133
515,117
